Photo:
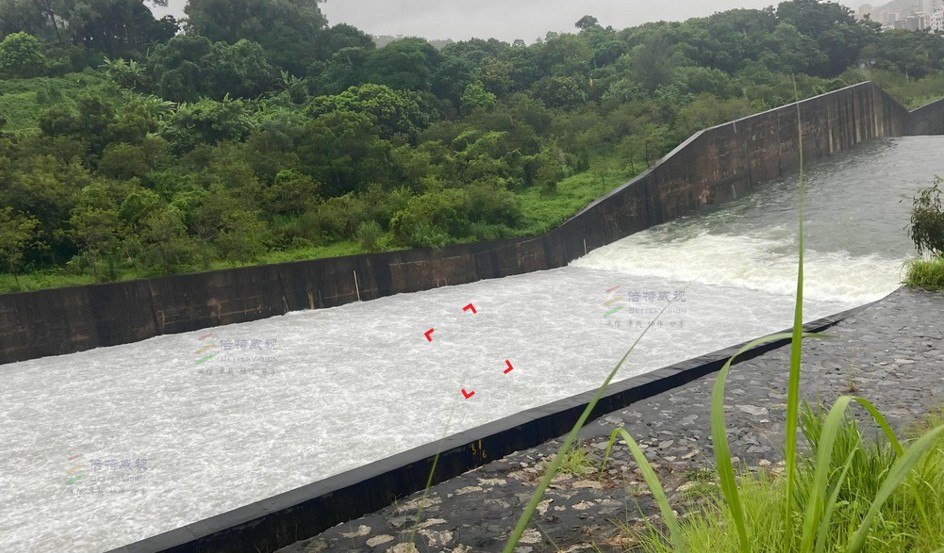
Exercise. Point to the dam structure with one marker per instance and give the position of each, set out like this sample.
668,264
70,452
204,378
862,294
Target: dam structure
203,427
713,166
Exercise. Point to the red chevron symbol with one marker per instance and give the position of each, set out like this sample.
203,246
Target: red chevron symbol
510,368
467,394
470,306
427,334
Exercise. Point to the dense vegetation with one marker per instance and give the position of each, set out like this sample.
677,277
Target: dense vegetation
927,233
256,132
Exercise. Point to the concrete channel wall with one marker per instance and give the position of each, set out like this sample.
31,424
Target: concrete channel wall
927,120
711,167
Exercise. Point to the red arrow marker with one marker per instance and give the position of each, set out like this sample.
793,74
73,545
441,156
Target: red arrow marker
427,334
510,368
467,394
470,306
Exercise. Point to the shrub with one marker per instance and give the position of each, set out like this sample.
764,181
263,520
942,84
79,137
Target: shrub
927,220
431,219
21,56
369,233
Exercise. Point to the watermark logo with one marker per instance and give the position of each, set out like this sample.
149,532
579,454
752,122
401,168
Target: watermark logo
662,307
105,476
236,356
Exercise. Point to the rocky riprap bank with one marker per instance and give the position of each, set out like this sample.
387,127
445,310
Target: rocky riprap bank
890,353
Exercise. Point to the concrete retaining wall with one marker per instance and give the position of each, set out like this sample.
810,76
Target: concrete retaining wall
713,166
926,120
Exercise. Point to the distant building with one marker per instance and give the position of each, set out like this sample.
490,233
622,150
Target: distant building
918,16
937,21
916,22
865,11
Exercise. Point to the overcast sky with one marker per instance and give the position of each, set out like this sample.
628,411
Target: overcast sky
508,19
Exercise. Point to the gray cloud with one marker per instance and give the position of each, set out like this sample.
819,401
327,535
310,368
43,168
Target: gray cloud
507,19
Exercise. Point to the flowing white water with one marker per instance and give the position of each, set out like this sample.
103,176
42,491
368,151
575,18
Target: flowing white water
750,263
106,447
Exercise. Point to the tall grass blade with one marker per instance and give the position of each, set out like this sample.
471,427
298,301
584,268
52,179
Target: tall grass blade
821,535
429,486
896,476
555,465
882,423
824,454
668,515
719,438
793,385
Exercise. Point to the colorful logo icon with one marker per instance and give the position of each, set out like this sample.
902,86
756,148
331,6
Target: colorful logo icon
75,472
611,301
205,352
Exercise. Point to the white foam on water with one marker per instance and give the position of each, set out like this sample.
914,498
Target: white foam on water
751,263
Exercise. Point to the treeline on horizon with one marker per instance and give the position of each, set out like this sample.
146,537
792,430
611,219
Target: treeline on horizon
257,132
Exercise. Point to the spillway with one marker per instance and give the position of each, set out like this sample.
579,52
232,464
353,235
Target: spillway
106,447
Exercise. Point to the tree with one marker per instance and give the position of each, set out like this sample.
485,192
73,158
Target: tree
207,122
116,28
342,150
369,233
789,51
432,219
291,193
343,70
564,55
587,22
17,233
913,53
28,17
927,220
163,241
392,111
476,98
190,67
124,161
44,187
241,237
95,226
654,61
126,74
813,17
21,56
560,91
287,30
405,64
339,37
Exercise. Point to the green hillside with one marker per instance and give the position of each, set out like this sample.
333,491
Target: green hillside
264,134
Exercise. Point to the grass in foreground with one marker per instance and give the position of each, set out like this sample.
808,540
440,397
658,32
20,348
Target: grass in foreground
926,273
577,462
911,519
